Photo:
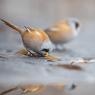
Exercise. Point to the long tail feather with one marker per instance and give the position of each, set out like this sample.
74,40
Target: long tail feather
12,26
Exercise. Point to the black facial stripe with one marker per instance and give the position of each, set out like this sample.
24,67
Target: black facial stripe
46,50
76,25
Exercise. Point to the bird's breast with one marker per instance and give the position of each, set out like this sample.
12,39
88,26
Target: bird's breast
34,40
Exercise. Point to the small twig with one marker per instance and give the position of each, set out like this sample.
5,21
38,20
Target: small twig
8,91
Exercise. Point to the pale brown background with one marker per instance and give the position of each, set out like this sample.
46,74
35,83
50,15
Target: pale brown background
47,11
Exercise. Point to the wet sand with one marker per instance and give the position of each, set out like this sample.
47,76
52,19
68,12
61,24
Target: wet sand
16,70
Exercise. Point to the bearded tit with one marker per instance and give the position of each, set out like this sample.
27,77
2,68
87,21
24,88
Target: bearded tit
63,32
35,40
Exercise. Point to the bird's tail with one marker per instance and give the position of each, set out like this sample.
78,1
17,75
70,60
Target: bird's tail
12,26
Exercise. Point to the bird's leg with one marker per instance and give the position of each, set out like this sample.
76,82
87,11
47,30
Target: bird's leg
32,54
27,52
46,55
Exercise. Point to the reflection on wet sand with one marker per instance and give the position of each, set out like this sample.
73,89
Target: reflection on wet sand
34,88
70,67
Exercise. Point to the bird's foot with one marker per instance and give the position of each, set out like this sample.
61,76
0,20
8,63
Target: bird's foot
48,57
32,54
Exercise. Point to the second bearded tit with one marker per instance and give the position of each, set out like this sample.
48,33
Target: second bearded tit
63,32
35,40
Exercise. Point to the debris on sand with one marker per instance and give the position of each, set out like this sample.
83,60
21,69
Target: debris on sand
70,66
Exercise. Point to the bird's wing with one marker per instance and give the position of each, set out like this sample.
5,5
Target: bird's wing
52,29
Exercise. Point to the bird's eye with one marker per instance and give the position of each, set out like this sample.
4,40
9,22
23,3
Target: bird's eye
76,25
45,50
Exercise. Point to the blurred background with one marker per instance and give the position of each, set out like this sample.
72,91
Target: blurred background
43,13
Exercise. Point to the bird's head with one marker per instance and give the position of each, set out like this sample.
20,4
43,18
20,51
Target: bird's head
74,23
47,47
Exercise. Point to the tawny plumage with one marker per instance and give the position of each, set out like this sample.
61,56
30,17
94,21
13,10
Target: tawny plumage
63,31
34,39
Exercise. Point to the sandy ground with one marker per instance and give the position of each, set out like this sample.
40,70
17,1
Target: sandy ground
18,70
